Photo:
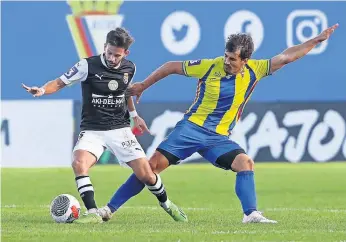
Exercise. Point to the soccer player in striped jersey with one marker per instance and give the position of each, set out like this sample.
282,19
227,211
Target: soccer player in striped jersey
225,85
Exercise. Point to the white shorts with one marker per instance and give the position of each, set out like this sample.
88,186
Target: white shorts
121,142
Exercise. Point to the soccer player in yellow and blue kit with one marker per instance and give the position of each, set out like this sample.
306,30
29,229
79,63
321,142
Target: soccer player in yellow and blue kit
225,85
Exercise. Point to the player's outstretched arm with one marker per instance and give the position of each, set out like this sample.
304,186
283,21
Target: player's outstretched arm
169,68
48,88
295,52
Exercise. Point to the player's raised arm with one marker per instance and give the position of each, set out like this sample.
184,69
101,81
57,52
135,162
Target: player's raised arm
79,72
48,88
169,68
295,52
191,68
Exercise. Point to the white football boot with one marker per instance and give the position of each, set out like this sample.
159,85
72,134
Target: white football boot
257,217
105,213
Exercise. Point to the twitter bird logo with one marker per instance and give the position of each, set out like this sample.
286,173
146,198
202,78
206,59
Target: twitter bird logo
180,33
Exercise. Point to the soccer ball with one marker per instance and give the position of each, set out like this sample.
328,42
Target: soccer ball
65,208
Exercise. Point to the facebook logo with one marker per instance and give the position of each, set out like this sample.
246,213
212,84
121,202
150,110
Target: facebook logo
245,26
245,22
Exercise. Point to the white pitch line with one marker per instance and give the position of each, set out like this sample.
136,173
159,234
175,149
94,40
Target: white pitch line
266,209
278,231
201,209
305,210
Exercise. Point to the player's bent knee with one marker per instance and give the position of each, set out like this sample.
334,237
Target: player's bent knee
171,159
149,179
82,161
79,166
153,162
158,162
225,161
243,162
142,170
146,176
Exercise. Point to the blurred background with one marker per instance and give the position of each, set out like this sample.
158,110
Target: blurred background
296,115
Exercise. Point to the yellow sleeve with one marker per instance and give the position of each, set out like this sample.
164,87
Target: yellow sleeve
197,68
260,67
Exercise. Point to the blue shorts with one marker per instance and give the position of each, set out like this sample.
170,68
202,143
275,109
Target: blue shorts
188,138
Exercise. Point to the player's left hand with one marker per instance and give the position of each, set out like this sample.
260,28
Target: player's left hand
140,125
35,91
136,89
327,33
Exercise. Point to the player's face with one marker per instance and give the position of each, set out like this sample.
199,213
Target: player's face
114,55
233,63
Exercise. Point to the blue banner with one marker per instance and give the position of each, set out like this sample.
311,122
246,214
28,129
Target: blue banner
282,131
42,40
270,132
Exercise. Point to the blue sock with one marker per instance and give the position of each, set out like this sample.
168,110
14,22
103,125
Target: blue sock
130,188
245,190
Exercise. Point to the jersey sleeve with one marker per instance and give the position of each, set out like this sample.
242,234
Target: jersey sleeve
197,68
133,75
79,72
260,67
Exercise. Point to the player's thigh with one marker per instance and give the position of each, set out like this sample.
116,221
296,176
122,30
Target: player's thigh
222,154
124,145
185,139
89,148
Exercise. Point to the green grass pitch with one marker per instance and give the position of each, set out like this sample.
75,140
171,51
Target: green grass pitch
308,200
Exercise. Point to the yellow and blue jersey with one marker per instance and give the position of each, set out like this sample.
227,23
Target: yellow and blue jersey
220,97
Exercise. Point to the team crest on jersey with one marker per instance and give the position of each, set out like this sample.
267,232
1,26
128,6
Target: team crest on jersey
194,62
126,78
218,74
113,85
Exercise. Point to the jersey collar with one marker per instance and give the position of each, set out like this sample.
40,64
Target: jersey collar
105,64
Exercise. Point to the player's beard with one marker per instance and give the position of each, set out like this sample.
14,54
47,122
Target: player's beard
112,65
228,69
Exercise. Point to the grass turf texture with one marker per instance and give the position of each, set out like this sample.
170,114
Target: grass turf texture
308,200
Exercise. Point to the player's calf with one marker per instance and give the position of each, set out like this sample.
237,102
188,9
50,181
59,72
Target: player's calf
158,189
153,182
245,183
83,160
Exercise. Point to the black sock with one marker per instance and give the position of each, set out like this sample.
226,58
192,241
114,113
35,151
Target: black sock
86,191
158,189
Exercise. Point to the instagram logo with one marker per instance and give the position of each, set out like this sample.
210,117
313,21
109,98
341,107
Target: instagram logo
303,25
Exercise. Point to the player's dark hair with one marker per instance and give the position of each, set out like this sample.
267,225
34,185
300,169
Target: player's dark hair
242,42
119,37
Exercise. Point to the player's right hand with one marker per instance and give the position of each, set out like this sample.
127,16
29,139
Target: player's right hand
327,33
35,91
137,90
